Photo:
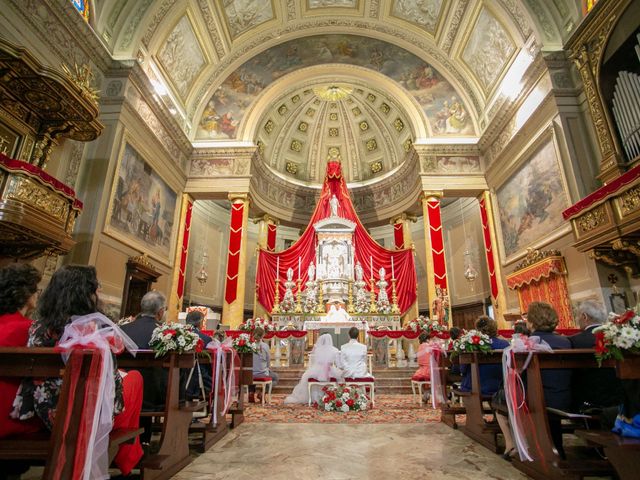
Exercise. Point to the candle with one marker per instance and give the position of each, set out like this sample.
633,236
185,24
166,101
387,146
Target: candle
393,272
278,268
298,268
371,265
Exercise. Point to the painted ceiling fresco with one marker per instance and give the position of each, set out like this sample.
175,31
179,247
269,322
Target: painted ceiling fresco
445,110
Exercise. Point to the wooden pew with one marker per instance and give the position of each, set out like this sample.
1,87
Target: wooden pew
476,427
173,454
44,447
546,463
448,411
623,453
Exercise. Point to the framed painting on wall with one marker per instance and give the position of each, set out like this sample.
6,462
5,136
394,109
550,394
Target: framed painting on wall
142,209
531,200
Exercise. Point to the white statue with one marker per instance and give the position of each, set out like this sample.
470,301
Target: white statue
333,203
359,272
290,274
337,314
382,272
311,272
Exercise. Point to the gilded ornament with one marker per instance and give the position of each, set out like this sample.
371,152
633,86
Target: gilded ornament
333,116
592,219
31,193
295,99
371,144
398,124
630,200
364,126
534,256
310,112
384,108
303,126
261,147
296,145
376,167
282,109
333,132
333,93
292,168
268,127
356,111
371,97
82,77
407,144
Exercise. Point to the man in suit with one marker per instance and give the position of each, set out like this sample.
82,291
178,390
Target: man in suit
193,388
353,357
152,311
599,388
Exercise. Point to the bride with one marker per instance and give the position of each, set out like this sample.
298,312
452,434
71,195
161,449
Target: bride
321,367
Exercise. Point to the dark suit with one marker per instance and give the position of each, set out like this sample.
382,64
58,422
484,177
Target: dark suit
155,379
593,387
490,375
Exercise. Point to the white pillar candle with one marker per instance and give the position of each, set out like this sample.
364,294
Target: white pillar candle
278,267
393,272
371,265
298,268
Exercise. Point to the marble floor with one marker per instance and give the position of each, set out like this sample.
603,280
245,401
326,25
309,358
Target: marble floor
339,452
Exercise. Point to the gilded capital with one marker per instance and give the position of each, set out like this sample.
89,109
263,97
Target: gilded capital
239,197
428,195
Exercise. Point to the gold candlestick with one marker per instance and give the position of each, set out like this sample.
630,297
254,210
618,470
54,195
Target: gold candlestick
394,298
373,307
276,299
350,307
298,295
320,308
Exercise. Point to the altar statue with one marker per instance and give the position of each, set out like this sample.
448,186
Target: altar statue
290,274
333,203
337,315
359,272
311,272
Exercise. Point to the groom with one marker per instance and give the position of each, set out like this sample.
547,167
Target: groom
353,357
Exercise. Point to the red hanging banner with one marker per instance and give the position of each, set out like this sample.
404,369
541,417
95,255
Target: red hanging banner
437,243
367,251
488,248
233,258
271,236
398,235
185,248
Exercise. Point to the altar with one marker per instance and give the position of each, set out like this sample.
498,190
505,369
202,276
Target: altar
339,331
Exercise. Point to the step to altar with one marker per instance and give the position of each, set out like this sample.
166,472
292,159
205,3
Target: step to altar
392,381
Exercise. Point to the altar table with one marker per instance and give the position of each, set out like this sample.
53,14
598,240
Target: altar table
340,330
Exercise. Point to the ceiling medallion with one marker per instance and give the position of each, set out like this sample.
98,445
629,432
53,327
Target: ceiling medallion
332,93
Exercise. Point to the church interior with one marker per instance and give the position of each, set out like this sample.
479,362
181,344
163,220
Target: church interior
298,169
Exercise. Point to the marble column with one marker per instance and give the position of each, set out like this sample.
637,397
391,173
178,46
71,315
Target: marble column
267,227
174,302
498,297
403,239
233,306
434,240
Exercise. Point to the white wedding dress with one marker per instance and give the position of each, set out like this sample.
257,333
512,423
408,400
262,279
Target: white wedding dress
321,367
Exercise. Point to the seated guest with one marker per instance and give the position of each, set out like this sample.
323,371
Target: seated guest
423,374
353,357
261,362
73,291
520,328
193,388
490,375
153,307
556,383
599,388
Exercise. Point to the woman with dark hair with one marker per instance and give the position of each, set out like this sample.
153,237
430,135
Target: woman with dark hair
423,374
73,291
18,295
490,375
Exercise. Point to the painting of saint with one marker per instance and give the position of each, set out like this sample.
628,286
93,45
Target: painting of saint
143,205
531,202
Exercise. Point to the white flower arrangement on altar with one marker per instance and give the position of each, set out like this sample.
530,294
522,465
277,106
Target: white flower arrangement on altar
472,341
243,343
342,399
288,304
383,305
175,337
620,335
251,324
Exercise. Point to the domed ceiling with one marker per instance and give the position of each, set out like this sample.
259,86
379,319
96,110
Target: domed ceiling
362,126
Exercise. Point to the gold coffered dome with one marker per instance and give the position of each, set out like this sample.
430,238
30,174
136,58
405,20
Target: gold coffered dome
364,126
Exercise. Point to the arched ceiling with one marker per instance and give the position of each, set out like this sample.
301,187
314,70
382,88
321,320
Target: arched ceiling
194,49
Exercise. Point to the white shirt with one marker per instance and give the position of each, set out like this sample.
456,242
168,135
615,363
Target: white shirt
353,359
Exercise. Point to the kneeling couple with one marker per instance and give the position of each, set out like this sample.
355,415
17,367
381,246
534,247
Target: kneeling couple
327,362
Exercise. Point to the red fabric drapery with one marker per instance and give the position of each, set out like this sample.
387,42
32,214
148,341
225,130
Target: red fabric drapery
271,237
488,248
233,259
185,249
267,335
437,243
366,248
408,334
398,235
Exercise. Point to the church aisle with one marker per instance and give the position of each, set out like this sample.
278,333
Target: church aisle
336,452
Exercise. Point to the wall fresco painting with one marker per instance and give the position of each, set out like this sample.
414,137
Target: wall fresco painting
442,105
143,205
531,201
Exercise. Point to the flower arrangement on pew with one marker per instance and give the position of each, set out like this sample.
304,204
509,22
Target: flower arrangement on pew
471,341
342,399
619,336
175,337
251,324
424,324
243,343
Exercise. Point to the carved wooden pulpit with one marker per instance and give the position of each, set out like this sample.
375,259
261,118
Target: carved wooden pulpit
141,274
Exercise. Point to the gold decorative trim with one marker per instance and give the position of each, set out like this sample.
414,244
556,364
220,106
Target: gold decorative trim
629,201
534,256
29,192
592,219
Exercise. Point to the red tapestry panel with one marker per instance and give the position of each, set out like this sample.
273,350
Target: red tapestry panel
233,258
185,249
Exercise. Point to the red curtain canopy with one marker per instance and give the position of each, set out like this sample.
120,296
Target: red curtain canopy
366,249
